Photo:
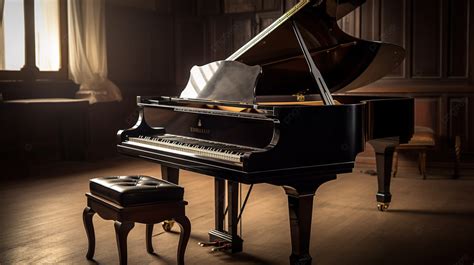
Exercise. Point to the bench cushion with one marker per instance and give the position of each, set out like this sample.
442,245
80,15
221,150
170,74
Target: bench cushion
135,190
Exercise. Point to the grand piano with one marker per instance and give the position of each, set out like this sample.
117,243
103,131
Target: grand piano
274,112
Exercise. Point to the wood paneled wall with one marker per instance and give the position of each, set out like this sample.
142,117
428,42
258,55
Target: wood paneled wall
154,44
216,28
438,36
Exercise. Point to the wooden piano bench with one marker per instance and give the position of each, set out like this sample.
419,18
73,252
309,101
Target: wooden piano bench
422,141
135,199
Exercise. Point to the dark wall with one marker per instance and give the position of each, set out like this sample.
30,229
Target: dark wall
140,46
152,45
438,70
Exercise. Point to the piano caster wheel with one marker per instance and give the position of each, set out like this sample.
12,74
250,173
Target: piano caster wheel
383,206
167,225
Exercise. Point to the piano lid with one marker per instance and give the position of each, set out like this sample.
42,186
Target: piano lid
272,66
344,61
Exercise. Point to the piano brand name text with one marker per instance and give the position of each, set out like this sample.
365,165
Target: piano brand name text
199,130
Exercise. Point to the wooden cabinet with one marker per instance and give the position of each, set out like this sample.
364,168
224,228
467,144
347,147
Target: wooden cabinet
42,130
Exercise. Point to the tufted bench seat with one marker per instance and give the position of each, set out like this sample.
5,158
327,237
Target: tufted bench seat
130,199
133,190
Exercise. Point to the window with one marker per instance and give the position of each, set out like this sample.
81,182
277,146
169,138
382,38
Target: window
33,43
13,27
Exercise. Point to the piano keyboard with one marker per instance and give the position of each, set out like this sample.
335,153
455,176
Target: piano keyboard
191,146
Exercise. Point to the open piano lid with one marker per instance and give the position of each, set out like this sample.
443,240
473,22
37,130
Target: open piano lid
345,62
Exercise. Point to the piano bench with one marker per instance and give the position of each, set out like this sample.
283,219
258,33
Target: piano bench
422,141
135,199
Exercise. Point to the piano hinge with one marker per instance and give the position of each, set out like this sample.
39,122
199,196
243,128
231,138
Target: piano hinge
300,97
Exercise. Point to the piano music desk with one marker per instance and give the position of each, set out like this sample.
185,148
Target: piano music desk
421,142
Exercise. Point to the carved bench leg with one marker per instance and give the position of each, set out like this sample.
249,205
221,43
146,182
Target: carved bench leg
89,226
149,234
423,163
457,156
172,175
395,163
121,233
185,226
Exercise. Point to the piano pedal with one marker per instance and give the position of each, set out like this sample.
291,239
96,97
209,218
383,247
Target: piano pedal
208,244
222,248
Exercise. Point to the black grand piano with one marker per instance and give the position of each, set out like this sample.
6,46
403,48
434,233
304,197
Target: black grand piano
273,113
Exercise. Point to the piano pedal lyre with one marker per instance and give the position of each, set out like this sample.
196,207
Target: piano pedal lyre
224,247
208,244
216,245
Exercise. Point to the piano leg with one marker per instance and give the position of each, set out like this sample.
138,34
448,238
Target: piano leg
220,239
219,193
232,214
300,205
384,149
172,175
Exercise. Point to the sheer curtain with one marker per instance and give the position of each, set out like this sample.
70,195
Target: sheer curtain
87,51
47,35
2,48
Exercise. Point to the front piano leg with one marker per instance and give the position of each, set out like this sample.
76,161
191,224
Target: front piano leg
300,206
232,215
384,149
172,175
219,193
220,239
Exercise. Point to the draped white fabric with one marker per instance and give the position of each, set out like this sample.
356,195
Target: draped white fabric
87,51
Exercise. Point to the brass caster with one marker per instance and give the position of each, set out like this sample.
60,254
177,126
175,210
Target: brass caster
383,206
167,225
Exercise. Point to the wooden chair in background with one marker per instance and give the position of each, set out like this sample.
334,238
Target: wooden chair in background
422,141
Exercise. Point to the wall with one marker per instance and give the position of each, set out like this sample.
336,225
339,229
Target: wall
438,70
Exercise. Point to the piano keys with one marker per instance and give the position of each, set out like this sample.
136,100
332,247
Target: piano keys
273,113
192,147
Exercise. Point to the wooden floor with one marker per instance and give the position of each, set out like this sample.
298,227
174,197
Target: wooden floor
429,222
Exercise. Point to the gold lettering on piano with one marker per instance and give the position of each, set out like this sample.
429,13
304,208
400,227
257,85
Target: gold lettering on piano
300,97
199,130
